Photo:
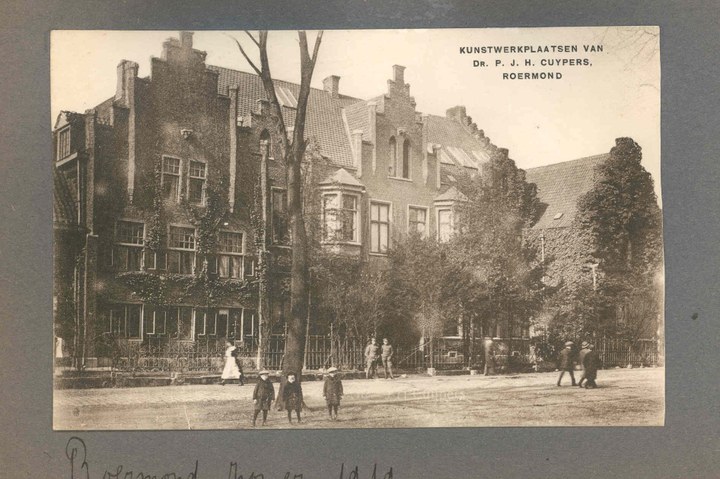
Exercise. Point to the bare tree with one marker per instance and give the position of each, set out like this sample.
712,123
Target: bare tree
292,149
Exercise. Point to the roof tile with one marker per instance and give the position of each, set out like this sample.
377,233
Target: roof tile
560,186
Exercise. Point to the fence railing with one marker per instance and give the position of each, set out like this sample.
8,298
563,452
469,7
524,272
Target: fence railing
621,352
208,355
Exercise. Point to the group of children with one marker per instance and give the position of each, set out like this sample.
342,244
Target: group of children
292,396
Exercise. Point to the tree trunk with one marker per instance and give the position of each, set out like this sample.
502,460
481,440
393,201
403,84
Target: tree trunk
295,343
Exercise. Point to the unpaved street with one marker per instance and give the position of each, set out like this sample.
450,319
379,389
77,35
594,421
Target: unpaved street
625,397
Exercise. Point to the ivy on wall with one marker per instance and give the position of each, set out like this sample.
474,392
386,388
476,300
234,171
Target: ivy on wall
162,290
200,288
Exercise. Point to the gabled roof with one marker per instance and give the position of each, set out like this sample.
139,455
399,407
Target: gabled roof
65,118
451,194
324,114
560,186
332,120
342,177
358,118
458,145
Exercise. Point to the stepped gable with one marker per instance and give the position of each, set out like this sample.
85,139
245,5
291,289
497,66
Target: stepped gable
560,186
324,114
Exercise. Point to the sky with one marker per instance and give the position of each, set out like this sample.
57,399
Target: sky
616,94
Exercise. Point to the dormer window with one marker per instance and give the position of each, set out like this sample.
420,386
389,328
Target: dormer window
286,97
63,143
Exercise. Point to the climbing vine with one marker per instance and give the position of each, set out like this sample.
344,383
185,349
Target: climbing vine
156,228
200,288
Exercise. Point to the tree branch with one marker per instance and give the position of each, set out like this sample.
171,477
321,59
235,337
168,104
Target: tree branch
252,38
247,58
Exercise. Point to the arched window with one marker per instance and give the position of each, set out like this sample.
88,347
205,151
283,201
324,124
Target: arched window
392,167
406,159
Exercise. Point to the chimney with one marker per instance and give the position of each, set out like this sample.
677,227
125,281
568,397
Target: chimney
331,85
399,74
126,73
457,113
186,40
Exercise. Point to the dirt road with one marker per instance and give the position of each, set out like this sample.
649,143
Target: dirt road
625,397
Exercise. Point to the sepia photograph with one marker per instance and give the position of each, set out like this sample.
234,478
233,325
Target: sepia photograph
357,229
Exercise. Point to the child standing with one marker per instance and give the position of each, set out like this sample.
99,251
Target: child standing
292,397
333,392
263,396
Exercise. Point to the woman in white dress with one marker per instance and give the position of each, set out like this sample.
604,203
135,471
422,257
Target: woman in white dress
231,370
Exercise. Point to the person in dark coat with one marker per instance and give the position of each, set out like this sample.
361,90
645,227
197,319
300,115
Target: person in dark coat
591,364
584,349
566,363
263,396
333,392
292,397
239,364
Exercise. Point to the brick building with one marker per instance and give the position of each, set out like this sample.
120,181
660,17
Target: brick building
156,187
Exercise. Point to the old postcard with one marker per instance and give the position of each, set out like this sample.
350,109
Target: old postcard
357,229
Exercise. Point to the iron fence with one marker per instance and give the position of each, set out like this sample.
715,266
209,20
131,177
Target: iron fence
207,355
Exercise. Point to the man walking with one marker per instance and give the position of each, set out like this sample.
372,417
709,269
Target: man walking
387,354
566,363
584,349
372,352
591,363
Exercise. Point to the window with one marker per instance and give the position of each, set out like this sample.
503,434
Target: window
155,321
221,323
249,266
249,324
179,322
230,255
196,182
181,250
444,225
127,251
406,159
171,178
63,143
117,325
379,227
205,323
125,321
417,220
235,324
280,230
340,218
392,168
